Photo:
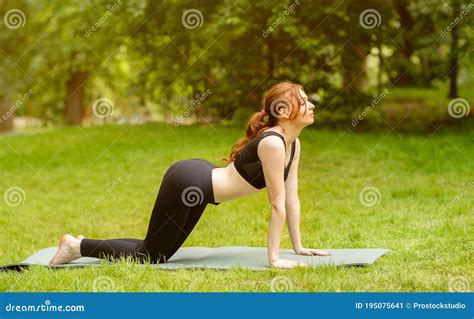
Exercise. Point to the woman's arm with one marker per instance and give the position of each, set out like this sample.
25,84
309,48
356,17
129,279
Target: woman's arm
292,202
292,205
271,152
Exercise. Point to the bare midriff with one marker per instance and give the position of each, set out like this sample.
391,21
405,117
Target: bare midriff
227,184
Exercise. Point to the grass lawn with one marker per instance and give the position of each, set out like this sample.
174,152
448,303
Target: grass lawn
102,182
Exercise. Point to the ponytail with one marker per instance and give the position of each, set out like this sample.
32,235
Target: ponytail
284,94
255,125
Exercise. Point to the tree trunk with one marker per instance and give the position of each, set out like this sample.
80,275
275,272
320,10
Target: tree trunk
406,44
353,68
6,116
270,43
380,71
406,24
75,98
453,69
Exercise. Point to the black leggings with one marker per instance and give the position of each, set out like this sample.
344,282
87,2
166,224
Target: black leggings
185,191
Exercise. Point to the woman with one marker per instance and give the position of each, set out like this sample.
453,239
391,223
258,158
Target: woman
268,156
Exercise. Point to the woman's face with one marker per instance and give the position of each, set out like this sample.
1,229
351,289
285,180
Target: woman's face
306,110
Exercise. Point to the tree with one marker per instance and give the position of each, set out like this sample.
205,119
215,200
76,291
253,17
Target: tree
453,69
15,32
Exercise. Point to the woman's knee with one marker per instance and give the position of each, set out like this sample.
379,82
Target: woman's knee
152,258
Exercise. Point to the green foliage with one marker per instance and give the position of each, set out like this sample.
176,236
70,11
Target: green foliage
147,54
240,117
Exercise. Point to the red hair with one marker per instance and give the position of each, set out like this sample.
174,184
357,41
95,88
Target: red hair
281,97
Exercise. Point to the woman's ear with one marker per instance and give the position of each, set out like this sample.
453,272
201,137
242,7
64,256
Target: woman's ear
281,108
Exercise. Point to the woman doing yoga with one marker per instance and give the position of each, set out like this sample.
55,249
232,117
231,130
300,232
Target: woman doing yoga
268,156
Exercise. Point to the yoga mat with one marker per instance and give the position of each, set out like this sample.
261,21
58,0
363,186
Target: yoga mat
253,258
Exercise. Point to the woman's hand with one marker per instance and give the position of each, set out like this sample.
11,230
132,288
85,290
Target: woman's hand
311,252
285,263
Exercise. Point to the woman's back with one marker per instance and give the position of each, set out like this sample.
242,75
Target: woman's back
228,182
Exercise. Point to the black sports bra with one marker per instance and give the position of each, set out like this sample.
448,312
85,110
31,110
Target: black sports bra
248,164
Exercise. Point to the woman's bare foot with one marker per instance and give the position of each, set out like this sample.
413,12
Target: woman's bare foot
69,250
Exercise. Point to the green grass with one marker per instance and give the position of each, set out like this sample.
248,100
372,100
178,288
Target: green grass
66,172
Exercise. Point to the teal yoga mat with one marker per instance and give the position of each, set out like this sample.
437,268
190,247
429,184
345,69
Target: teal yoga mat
253,258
